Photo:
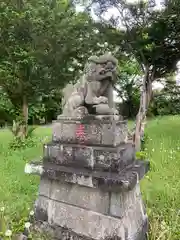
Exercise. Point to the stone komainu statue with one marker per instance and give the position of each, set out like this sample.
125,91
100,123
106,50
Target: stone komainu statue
93,93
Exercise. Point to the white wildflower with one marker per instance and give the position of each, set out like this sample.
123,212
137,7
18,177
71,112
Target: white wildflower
79,64
100,45
96,31
71,69
2,209
8,233
27,225
31,213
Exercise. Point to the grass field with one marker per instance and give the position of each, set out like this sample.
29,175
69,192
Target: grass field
161,187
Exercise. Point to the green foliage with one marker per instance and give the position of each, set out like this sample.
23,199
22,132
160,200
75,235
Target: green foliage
47,107
14,227
144,142
141,155
43,46
128,87
7,110
19,188
19,142
130,106
10,227
166,102
150,35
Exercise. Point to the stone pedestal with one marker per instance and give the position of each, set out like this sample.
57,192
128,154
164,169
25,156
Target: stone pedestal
89,185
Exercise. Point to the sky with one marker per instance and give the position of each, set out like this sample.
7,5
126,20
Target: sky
113,11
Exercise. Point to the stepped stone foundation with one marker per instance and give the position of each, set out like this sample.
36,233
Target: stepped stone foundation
89,186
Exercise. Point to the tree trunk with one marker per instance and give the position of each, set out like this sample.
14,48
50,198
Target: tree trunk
24,124
144,103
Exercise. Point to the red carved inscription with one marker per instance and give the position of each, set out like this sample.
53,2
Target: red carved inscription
80,132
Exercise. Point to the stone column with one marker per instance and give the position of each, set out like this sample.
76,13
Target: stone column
89,185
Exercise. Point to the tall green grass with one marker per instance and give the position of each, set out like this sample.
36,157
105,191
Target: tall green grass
17,190
161,186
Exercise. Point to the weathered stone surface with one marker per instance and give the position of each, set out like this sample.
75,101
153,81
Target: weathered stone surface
79,156
94,90
87,181
114,158
115,204
90,131
121,202
135,219
45,187
83,222
80,196
127,179
41,209
105,180
123,181
93,225
60,233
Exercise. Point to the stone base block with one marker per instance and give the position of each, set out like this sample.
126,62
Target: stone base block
74,194
90,224
94,157
90,131
92,205
108,203
60,233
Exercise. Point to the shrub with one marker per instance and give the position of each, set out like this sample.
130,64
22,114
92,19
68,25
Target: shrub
19,142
